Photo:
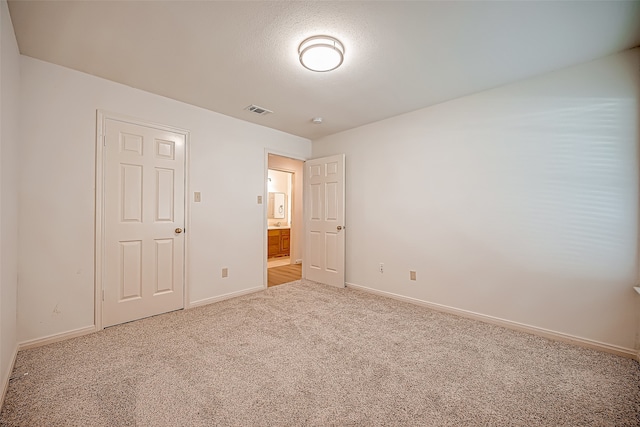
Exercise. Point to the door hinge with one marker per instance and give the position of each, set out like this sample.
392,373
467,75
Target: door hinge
104,140
103,295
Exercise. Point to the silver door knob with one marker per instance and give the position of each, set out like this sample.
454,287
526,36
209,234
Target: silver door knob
178,230
339,227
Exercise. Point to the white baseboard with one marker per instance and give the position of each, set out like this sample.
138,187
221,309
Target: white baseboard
230,295
90,329
50,339
5,385
521,327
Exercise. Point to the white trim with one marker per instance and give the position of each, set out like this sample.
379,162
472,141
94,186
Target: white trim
101,117
516,326
140,122
187,216
282,154
211,300
99,224
53,338
5,386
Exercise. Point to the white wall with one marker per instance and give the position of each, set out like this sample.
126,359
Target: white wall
519,202
9,106
297,219
57,194
279,182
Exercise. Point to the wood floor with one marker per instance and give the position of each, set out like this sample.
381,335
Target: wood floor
285,274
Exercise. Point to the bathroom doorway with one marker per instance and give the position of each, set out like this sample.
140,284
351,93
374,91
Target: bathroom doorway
284,219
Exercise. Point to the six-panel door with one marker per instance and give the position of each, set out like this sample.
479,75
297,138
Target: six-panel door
324,220
144,173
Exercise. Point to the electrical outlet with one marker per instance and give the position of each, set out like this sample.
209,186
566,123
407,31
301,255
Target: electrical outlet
197,197
381,268
259,200
225,272
412,274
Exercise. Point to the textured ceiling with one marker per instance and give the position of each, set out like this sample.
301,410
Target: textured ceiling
400,56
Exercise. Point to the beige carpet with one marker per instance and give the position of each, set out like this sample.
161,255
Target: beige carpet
307,354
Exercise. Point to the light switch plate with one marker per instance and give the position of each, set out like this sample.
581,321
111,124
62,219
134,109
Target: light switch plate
225,272
197,197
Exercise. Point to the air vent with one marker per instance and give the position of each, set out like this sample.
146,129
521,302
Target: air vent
258,110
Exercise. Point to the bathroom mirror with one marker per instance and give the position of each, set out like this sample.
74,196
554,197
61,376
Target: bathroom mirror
276,206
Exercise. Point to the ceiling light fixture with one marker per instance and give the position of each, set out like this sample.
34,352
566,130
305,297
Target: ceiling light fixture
321,53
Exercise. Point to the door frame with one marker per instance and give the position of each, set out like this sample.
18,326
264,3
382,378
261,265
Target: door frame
99,252
265,198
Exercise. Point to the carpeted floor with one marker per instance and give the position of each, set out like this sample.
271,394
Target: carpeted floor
307,354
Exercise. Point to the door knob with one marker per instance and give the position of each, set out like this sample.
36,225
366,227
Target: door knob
178,230
339,227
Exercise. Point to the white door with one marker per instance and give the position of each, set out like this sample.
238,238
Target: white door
324,220
144,179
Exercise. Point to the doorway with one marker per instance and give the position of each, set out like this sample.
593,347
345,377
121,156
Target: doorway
284,219
140,210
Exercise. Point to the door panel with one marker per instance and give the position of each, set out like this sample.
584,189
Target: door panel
331,204
131,270
331,249
164,265
324,220
144,177
131,193
316,204
164,194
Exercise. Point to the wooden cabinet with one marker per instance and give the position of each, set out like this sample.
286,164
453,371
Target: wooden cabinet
278,242
285,237
274,243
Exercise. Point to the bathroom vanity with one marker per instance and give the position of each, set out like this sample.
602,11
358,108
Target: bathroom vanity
279,240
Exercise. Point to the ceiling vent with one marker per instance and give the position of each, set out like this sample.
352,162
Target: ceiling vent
258,110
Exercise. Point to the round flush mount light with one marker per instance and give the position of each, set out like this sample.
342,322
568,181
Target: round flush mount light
321,53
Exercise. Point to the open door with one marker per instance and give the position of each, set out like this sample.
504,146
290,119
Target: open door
324,220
